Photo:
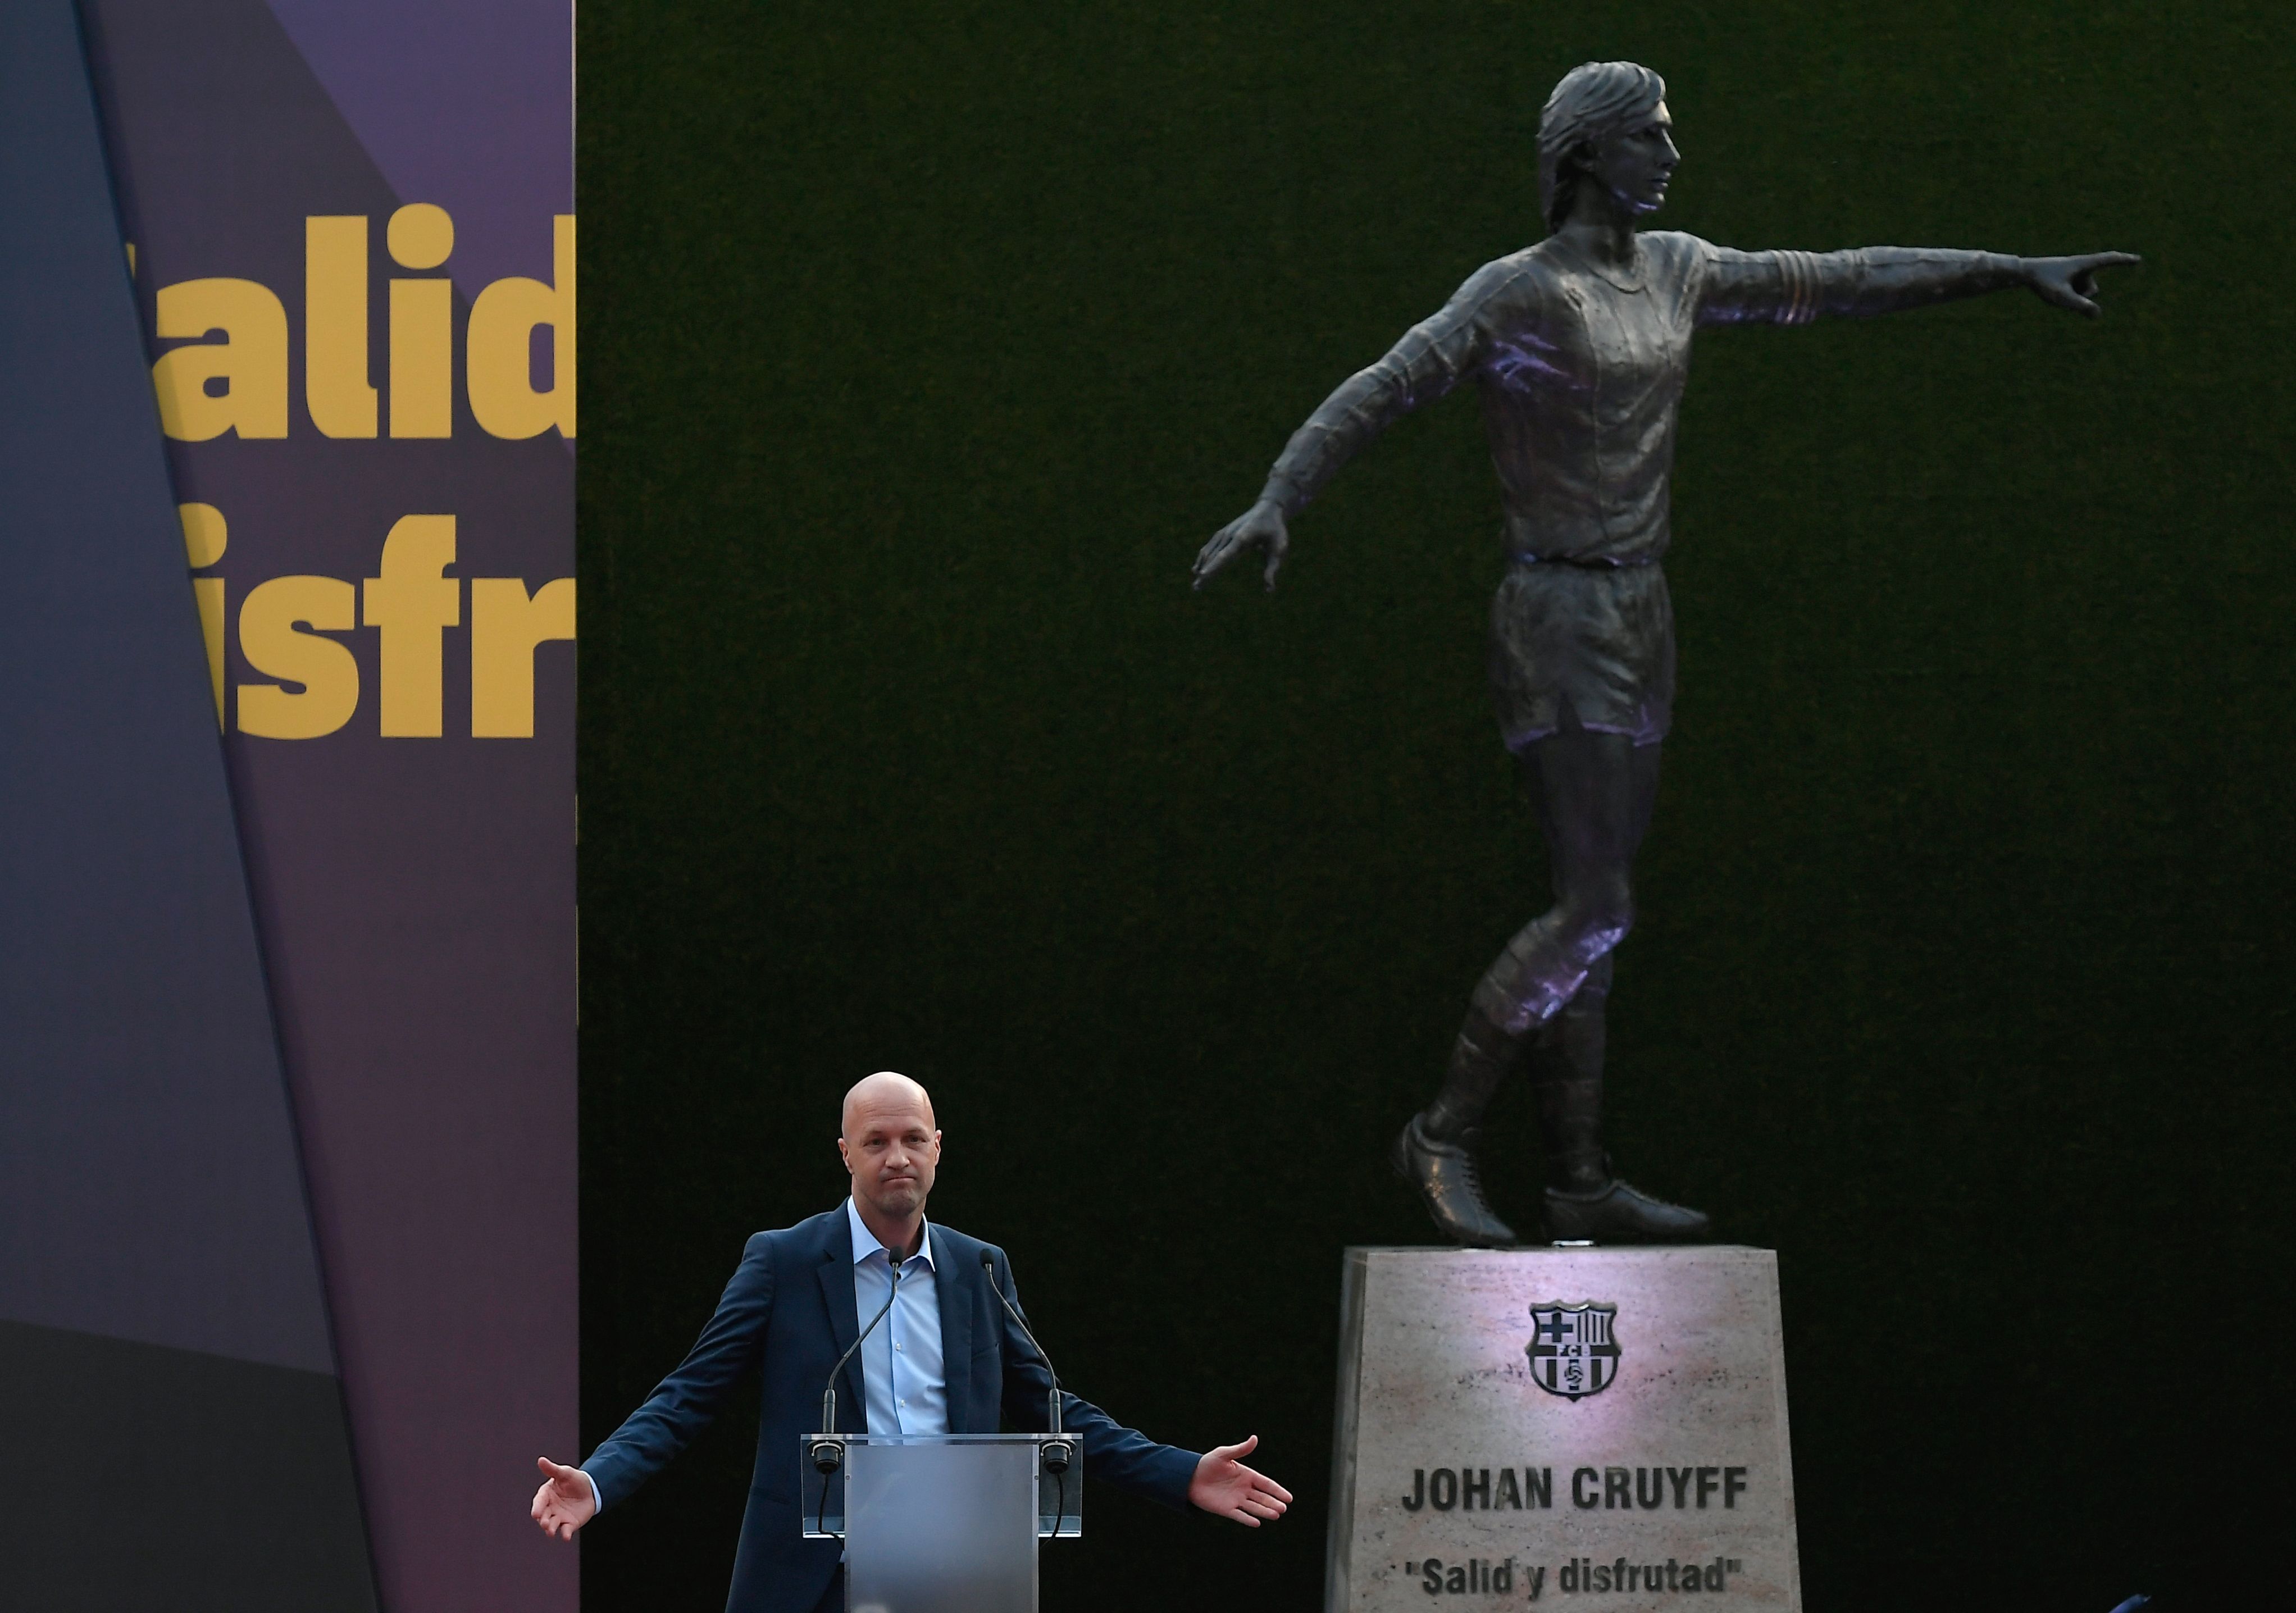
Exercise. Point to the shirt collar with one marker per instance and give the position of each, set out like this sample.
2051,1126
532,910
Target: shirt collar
865,1244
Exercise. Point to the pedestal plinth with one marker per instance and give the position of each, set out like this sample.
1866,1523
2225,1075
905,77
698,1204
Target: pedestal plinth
1597,1428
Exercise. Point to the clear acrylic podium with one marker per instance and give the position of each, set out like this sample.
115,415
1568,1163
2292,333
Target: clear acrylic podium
941,1523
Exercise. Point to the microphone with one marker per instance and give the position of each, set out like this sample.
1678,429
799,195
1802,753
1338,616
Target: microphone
828,1451
1061,1451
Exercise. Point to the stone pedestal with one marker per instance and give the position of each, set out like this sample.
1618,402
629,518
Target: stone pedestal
1597,1428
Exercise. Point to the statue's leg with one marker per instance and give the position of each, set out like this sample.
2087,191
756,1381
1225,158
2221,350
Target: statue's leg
1592,793
1595,806
1565,1068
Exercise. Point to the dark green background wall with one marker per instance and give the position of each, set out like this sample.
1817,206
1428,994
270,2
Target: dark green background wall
925,344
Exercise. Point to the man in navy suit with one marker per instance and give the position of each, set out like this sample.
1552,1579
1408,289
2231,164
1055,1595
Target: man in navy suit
945,1360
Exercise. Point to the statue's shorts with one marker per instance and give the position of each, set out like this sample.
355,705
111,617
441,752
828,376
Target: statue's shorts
1592,644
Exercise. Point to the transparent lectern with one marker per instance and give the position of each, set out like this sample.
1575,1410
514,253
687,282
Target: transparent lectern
941,1523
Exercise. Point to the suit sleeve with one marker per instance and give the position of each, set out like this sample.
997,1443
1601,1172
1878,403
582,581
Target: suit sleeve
1430,359
1113,1454
684,1401
1795,288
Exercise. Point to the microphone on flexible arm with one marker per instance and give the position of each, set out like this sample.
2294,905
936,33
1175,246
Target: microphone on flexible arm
1061,1451
828,1451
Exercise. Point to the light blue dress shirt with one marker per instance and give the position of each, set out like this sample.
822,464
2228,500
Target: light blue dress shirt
904,1380
902,1373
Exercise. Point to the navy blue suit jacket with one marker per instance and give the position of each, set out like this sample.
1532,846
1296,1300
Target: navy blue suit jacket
790,1312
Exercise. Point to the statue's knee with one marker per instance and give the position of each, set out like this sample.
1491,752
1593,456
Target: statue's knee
1596,987
1592,930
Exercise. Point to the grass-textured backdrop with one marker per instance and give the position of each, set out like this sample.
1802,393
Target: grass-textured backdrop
925,345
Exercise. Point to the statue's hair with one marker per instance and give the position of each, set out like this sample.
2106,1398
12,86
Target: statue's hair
1593,100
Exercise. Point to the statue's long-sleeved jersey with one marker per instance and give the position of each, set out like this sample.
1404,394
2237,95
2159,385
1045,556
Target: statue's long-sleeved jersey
1581,372
1581,369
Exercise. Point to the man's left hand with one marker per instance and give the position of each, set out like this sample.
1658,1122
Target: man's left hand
1226,1488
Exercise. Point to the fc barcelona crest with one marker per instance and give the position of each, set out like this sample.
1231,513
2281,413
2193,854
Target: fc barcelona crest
1575,1351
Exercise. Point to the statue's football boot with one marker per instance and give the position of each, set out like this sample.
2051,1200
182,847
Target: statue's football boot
1617,1212
1444,1173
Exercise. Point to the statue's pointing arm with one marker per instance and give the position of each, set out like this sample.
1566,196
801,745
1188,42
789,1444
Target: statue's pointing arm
1794,288
1433,357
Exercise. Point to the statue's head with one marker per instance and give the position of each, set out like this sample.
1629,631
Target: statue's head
1597,105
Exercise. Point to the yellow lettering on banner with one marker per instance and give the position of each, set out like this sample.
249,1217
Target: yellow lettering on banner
421,358
327,670
506,627
205,535
240,383
412,601
499,346
212,598
335,386
210,592
421,236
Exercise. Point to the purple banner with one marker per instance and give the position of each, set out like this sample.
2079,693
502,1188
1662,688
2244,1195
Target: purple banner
352,238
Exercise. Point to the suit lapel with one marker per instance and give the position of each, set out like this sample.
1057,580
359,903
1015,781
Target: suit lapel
955,1287
844,1321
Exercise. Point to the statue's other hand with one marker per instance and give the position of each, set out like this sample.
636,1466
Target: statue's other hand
1262,526
2070,282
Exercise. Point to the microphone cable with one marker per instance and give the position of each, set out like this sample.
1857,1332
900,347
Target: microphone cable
829,1453
1060,1454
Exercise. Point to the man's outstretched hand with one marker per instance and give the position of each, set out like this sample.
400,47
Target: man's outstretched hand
1226,1488
564,1503
2070,282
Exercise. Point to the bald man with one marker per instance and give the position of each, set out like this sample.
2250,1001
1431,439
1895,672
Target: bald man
945,1360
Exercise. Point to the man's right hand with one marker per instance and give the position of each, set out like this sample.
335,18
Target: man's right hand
565,1502
1262,526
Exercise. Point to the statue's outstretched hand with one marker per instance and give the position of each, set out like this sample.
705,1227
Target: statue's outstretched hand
563,1503
2070,282
1262,526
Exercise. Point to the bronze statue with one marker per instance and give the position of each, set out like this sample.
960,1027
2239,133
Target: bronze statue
1580,345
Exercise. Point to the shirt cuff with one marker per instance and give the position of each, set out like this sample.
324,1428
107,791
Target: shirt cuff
597,1501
